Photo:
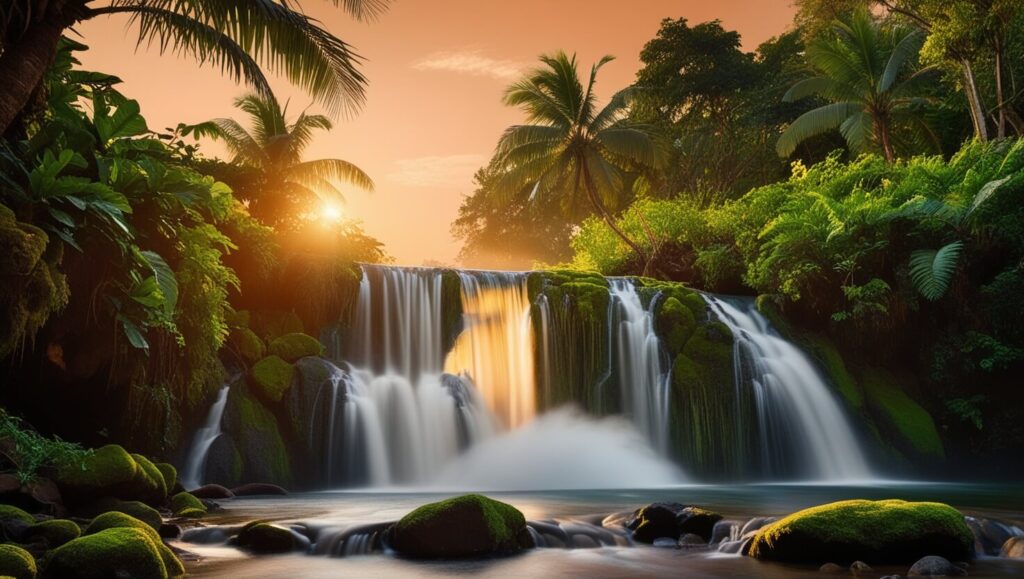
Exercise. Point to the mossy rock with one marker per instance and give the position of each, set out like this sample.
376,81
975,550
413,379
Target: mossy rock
270,324
13,512
831,362
119,520
676,324
264,538
466,526
17,562
271,376
149,481
170,475
876,532
902,420
249,345
186,505
107,471
55,532
114,552
136,509
257,449
291,347
238,318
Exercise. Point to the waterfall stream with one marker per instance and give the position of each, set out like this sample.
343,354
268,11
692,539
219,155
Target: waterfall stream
195,462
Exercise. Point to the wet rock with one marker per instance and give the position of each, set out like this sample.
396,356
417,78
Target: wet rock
697,521
733,547
860,568
1013,548
725,530
553,534
989,535
665,543
466,526
170,531
212,491
935,566
204,535
654,521
266,539
756,524
255,489
690,540
584,542
831,568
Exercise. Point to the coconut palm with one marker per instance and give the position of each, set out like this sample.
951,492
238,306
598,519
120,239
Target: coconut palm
571,147
238,37
269,173
866,71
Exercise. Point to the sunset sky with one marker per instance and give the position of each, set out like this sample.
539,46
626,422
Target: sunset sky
437,69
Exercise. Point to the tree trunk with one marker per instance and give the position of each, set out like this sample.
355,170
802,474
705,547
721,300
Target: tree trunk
608,219
1001,122
23,64
974,102
886,138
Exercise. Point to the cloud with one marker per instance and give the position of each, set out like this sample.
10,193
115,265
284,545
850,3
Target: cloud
471,62
437,171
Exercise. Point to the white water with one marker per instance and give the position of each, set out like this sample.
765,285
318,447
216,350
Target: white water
562,449
796,410
195,462
643,381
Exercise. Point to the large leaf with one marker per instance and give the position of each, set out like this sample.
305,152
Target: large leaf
124,122
133,333
165,279
932,270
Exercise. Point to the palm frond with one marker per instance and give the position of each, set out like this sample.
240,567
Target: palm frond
330,170
633,144
905,49
931,271
815,122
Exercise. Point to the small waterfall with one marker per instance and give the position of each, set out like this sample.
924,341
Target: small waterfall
801,427
495,349
195,463
637,353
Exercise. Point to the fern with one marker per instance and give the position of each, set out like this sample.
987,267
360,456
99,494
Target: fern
931,270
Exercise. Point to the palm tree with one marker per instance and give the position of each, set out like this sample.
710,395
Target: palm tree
865,71
270,173
238,37
571,147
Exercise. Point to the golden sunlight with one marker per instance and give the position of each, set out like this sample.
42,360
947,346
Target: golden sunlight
331,212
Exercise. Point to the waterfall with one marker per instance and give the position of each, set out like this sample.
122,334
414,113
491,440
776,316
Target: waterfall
195,462
495,349
801,427
637,353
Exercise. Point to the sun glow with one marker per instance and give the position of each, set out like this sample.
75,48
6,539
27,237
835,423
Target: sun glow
331,212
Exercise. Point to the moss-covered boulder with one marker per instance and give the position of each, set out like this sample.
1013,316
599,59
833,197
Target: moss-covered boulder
271,377
149,481
466,526
16,562
115,552
901,420
170,475
676,324
186,505
136,509
269,324
12,512
264,538
252,445
291,347
54,532
877,532
249,345
108,471
118,520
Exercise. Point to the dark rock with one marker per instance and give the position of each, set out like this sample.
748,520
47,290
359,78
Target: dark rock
253,430
697,521
1013,548
212,491
253,489
584,542
204,535
860,568
318,387
466,526
935,566
665,543
692,540
550,530
756,524
265,539
654,521
15,529
989,535
170,531
224,462
725,530
732,547
831,568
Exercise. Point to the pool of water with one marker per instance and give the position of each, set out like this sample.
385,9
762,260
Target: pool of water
344,509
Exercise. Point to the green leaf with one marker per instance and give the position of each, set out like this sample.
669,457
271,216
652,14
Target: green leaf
165,279
932,271
125,122
134,335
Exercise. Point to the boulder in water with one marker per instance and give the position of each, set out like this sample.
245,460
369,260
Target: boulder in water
253,489
935,566
654,521
691,540
264,538
186,505
860,568
890,531
271,377
212,491
831,568
723,531
114,552
466,526
291,347
134,509
665,543
697,521
1013,548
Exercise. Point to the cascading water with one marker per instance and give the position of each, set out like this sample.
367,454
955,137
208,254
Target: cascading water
800,425
195,462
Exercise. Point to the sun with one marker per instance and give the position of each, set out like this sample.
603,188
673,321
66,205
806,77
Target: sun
331,212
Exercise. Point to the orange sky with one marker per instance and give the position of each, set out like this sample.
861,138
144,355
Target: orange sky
437,69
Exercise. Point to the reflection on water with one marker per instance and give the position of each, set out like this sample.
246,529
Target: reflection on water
351,508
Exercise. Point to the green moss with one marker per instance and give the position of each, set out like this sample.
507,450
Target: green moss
13,512
901,417
108,470
136,509
710,346
291,347
262,453
890,531
249,345
118,520
831,361
675,324
55,532
169,473
272,376
501,521
237,318
182,502
16,562
115,552
262,537
271,324
149,480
